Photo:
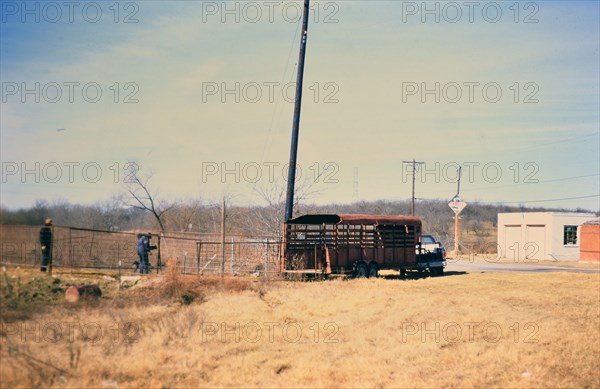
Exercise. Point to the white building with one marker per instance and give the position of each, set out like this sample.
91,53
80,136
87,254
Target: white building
540,235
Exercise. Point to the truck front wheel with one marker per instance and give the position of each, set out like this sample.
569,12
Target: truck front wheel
436,271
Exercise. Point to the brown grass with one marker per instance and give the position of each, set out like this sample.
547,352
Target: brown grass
340,333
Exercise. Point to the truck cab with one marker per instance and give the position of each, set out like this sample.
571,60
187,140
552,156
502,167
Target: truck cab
431,255
430,244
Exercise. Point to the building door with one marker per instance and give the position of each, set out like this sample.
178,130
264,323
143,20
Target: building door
512,242
534,247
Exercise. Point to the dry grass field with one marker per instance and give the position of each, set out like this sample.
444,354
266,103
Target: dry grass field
487,259
461,330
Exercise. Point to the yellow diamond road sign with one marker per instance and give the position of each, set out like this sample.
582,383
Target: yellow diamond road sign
457,205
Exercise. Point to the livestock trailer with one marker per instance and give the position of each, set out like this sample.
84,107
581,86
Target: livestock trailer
355,244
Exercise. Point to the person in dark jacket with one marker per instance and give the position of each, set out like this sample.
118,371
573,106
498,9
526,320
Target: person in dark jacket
143,248
46,244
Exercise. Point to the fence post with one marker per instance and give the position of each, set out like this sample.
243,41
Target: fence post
158,261
198,253
267,257
91,247
223,236
119,257
232,257
70,249
52,240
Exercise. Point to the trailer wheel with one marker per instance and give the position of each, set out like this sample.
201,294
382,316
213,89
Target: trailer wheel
436,271
361,271
403,272
373,271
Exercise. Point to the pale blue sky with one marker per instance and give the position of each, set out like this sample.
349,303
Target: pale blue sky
360,56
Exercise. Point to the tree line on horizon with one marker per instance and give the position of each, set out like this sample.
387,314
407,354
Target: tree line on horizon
197,216
139,207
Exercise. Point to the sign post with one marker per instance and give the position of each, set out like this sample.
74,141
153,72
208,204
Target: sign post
457,205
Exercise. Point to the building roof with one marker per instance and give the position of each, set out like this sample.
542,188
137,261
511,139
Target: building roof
579,214
355,219
593,221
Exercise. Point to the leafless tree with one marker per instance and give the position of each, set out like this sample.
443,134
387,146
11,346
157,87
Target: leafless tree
187,216
213,215
268,219
111,212
141,198
75,215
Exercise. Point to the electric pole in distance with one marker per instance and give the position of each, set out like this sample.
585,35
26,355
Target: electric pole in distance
414,173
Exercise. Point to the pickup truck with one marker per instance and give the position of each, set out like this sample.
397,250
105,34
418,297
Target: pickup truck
429,244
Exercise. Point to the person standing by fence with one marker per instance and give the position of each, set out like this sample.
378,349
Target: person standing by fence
46,244
143,248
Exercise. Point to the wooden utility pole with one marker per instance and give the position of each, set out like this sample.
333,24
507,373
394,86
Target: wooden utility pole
456,234
459,175
457,205
457,217
223,236
414,174
289,200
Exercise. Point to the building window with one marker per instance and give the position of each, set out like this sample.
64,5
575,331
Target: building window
570,235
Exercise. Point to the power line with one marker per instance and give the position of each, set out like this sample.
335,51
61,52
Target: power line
529,183
570,139
520,202
571,178
493,187
546,200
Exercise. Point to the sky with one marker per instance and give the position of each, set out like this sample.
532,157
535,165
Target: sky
197,97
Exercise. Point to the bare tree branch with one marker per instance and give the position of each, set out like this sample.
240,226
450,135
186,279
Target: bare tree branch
142,199
269,219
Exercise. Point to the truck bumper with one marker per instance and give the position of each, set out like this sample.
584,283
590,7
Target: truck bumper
425,265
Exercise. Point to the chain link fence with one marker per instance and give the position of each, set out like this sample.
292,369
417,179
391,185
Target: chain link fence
190,254
248,257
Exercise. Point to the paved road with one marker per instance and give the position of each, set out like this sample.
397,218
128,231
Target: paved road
475,266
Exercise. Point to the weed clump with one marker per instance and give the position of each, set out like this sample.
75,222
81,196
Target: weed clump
187,289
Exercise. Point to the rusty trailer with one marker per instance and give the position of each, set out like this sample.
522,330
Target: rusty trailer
354,244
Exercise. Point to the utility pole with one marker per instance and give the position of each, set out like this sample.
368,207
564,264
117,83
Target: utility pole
457,205
459,175
289,200
456,234
414,174
456,217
